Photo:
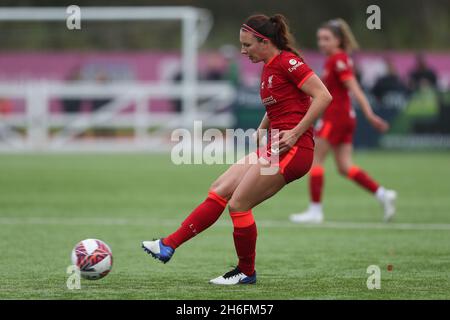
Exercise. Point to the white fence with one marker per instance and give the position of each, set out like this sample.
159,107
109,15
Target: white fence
34,129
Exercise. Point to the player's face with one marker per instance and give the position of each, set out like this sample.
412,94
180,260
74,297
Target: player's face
327,41
251,47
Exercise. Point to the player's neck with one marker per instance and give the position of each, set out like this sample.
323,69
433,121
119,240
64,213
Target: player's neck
275,52
335,51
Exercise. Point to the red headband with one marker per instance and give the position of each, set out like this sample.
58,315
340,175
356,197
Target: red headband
253,31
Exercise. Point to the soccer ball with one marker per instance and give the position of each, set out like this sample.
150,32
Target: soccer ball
93,257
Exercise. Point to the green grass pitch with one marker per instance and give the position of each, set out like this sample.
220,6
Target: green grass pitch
50,202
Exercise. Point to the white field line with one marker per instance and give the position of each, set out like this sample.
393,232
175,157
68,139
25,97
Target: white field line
5,221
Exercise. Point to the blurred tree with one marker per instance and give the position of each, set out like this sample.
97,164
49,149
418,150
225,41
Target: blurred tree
414,24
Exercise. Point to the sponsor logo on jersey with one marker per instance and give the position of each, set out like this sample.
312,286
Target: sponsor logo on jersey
294,67
340,65
269,101
292,62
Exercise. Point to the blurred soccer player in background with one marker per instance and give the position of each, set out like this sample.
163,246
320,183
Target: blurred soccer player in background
334,131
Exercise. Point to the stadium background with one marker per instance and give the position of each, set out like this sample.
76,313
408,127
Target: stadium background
53,195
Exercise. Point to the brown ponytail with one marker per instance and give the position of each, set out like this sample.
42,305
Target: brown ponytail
274,28
343,32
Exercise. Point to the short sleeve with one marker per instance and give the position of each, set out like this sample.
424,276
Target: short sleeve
296,70
344,68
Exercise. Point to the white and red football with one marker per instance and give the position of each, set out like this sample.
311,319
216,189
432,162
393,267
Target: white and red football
93,257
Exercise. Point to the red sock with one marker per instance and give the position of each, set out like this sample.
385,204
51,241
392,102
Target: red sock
363,179
244,235
316,183
200,219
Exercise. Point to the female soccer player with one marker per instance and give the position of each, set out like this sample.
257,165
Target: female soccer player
335,129
294,97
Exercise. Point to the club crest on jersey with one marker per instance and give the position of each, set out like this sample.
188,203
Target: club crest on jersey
269,81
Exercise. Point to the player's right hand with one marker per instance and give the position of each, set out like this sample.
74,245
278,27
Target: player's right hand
259,137
378,123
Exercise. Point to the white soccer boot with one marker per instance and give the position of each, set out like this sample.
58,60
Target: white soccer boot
234,277
314,214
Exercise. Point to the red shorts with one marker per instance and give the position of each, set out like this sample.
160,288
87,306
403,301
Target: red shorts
292,164
336,132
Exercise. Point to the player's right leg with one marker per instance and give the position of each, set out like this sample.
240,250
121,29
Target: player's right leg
314,213
344,162
205,214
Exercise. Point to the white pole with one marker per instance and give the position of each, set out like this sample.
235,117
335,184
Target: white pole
37,115
95,13
141,121
189,68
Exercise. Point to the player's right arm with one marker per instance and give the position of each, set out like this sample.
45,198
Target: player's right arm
262,129
264,123
355,89
343,68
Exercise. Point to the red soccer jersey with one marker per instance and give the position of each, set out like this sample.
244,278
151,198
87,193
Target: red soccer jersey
285,103
338,68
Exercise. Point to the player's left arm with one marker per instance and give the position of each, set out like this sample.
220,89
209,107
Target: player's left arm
355,89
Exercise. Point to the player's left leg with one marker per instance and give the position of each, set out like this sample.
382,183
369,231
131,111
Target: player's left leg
343,156
252,190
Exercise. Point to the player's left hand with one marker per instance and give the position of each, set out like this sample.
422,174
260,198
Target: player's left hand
378,123
286,140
